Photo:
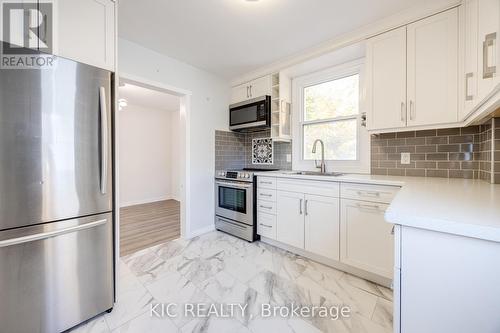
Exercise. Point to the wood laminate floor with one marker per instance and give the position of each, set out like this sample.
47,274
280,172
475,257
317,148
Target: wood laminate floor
142,226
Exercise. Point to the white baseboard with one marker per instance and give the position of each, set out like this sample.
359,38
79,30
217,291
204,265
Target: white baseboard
144,201
200,231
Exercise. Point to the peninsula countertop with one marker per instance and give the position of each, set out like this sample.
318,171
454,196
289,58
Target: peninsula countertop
465,207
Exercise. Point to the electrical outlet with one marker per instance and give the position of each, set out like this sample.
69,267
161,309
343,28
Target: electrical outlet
288,158
405,158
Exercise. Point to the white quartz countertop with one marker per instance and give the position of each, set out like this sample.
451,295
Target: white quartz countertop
458,206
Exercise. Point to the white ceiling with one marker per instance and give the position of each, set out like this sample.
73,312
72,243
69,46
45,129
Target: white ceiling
148,98
233,37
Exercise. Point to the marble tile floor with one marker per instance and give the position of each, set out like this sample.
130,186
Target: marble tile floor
221,269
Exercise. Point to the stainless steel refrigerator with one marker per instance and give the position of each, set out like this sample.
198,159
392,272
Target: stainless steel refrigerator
56,196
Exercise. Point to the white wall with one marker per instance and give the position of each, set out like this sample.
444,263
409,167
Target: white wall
147,144
209,102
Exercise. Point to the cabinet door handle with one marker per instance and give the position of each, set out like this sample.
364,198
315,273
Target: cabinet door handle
412,110
300,206
367,206
305,207
265,225
392,230
265,182
369,193
265,195
489,41
467,77
248,95
266,207
403,112
251,91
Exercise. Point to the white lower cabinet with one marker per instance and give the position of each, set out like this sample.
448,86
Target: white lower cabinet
447,283
366,239
290,218
336,222
322,225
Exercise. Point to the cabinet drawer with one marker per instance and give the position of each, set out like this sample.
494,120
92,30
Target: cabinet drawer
266,225
266,194
266,206
324,188
266,182
375,193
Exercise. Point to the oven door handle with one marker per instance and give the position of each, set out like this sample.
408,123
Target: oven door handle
233,185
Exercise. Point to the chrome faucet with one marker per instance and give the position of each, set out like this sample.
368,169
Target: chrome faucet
322,166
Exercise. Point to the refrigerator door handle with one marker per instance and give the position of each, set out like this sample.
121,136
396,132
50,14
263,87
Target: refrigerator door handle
49,234
104,140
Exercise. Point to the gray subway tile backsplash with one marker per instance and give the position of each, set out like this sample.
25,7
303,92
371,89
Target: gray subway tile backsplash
449,152
233,150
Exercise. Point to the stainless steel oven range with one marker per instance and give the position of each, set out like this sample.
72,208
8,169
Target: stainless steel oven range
235,210
234,197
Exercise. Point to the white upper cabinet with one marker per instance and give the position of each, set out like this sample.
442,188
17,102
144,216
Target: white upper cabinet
412,74
260,87
386,77
86,31
488,55
322,225
432,70
471,12
481,56
256,88
240,93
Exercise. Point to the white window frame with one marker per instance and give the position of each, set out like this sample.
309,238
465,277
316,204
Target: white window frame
362,162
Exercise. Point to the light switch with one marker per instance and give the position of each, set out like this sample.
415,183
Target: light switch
405,158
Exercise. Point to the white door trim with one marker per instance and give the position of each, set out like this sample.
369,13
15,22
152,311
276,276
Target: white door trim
185,111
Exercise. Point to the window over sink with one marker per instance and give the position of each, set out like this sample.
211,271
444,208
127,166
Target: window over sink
328,106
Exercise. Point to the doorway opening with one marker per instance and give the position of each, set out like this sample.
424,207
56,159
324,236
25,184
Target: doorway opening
150,166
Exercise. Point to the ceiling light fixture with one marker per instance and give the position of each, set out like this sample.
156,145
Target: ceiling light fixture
122,102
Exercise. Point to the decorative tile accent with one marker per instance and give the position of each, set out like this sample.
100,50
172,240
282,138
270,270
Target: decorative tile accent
262,151
233,150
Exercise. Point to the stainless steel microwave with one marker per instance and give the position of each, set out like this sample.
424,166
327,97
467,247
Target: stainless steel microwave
251,115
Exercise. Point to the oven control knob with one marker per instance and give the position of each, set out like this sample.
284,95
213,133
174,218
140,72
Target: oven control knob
247,175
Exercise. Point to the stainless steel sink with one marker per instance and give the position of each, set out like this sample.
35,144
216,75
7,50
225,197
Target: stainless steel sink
317,173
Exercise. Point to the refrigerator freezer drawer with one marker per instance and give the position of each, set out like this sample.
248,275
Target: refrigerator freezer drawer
57,275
